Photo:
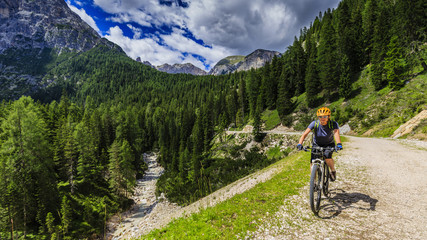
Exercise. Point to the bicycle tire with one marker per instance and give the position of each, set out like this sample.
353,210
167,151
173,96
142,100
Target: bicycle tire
315,191
326,181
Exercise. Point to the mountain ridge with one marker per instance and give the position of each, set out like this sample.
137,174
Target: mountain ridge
36,36
51,24
230,64
255,60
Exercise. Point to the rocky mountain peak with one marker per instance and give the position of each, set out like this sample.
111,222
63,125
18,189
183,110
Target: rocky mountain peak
181,68
138,59
28,24
255,60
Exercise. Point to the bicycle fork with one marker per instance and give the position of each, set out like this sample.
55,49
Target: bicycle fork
322,176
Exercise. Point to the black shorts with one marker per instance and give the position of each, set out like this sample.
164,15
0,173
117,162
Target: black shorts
327,153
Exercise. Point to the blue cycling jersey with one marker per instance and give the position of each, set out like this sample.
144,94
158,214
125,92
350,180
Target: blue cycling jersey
324,134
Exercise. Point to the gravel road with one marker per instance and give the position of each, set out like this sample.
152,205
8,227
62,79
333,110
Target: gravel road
380,193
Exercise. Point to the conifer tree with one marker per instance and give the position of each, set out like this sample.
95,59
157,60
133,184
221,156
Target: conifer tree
345,78
327,60
394,64
312,78
411,20
232,105
66,216
27,165
70,155
269,87
198,146
380,41
121,171
299,64
127,168
257,122
184,163
253,87
284,102
114,168
207,125
348,29
242,99
369,16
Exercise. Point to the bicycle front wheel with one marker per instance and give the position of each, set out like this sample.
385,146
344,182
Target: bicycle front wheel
326,181
315,189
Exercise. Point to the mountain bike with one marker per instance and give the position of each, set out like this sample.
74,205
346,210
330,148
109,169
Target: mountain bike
319,180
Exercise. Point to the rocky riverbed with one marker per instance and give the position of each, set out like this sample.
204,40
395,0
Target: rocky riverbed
147,210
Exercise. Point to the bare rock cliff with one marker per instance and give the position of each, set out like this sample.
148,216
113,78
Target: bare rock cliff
27,24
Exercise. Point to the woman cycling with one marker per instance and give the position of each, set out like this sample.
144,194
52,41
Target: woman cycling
326,132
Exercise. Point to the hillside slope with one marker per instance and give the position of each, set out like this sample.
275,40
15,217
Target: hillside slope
373,113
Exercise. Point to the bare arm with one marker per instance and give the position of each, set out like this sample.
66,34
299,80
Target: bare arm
337,136
304,135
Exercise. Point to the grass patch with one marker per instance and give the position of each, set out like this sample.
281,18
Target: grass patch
271,119
236,216
273,152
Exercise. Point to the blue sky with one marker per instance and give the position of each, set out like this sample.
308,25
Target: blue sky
200,32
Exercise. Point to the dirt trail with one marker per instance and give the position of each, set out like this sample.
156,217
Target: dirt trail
381,193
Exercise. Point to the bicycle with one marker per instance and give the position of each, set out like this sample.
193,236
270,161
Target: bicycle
319,180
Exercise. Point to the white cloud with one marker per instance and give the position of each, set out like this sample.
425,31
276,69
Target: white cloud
84,16
230,27
144,12
213,54
150,50
79,3
136,31
248,25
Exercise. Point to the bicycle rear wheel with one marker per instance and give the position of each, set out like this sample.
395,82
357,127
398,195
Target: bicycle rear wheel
315,190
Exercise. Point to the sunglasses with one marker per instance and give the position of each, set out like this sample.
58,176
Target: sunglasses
323,117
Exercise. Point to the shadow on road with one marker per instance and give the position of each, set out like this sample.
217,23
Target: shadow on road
340,200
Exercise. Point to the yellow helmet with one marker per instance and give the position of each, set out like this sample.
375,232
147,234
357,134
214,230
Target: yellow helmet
323,111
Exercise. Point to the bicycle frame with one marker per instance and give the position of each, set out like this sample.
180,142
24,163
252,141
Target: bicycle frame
322,166
319,179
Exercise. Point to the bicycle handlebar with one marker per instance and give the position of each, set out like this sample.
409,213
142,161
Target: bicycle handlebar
321,149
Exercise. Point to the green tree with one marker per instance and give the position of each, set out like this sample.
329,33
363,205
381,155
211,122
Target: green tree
312,78
299,65
345,78
122,173
232,105
327,52
51,226
284,102
269,87
349,25
380,41
257,123
198,146
26,165
253,89
369,18
411,20
394,64
66,216
242,100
